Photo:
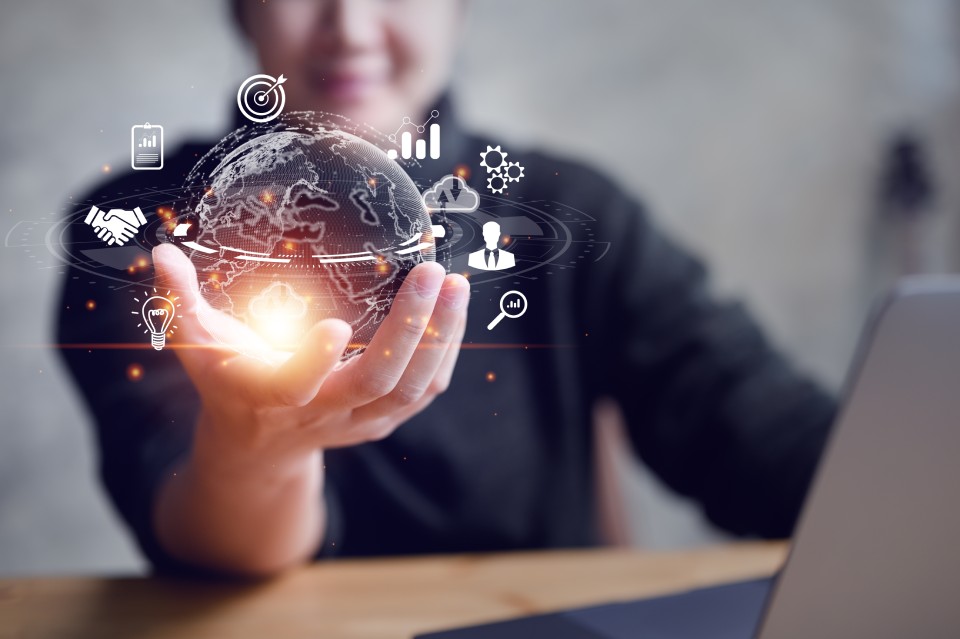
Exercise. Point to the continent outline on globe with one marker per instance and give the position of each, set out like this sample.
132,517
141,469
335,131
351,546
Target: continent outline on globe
308,204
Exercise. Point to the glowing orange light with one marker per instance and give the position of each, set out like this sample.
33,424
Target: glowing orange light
462,171
506,239
106,168
91,305
491,376
372,182
134,372
142,262
266,197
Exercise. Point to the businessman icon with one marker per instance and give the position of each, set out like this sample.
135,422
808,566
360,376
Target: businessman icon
115,226
491,257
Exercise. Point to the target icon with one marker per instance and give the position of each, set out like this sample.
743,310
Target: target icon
261,97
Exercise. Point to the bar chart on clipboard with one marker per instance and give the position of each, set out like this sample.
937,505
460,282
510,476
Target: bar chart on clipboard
146,147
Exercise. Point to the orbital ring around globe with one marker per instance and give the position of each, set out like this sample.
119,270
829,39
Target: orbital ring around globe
307,221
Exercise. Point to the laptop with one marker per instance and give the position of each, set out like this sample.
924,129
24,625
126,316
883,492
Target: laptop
876,553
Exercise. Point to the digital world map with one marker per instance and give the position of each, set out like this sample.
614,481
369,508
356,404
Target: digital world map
302,222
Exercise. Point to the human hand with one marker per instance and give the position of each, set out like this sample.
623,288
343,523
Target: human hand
115,226
286,406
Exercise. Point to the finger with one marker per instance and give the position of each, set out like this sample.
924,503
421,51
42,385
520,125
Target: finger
383,427
176,273
377,371
199,323
425,364
213,338
200,348
441,381
298,380
386,425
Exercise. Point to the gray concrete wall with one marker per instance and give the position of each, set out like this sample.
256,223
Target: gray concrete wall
752,127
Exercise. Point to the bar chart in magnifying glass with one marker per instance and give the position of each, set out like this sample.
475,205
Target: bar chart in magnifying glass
417,147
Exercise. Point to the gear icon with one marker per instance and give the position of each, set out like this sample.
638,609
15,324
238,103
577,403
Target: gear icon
496,183
493,158
513,171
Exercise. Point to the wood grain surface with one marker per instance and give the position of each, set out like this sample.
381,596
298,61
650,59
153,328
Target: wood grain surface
367,598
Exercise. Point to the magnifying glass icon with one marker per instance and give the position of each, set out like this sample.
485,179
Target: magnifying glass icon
513,304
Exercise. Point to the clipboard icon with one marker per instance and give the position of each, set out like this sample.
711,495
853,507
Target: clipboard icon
146,147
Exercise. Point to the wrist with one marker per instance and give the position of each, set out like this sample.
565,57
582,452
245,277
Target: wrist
215,453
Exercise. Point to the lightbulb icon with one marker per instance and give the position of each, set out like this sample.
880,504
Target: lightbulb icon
158,312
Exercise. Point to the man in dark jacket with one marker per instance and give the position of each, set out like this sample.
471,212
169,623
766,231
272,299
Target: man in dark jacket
241,467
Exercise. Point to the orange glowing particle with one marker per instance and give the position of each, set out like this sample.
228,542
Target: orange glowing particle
288,246
386,353
506,239
372,182
463,171
106,168
491,376
91,305
131,269
266,197
134,372
142,262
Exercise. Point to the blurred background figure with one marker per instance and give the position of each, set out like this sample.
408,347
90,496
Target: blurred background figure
766,136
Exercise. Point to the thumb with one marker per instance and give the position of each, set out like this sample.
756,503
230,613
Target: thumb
176,273
200,325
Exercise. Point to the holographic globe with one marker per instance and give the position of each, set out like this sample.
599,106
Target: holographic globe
301,221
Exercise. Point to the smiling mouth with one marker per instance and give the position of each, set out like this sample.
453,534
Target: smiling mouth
347,87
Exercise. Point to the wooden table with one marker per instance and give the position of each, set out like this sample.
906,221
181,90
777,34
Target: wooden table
366,599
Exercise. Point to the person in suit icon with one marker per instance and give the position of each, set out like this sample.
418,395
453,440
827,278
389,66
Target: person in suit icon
491,257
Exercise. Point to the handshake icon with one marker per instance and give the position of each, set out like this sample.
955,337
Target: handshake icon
115,226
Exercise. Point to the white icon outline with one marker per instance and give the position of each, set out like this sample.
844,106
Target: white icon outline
503,310
436,198
499,172
410,147
252,110
157,306
115,226
154,142
502,259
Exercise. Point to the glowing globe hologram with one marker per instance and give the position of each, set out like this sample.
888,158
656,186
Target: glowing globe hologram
301,221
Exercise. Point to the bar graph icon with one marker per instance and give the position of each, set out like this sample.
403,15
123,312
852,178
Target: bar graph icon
146,147
514,304
410,147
